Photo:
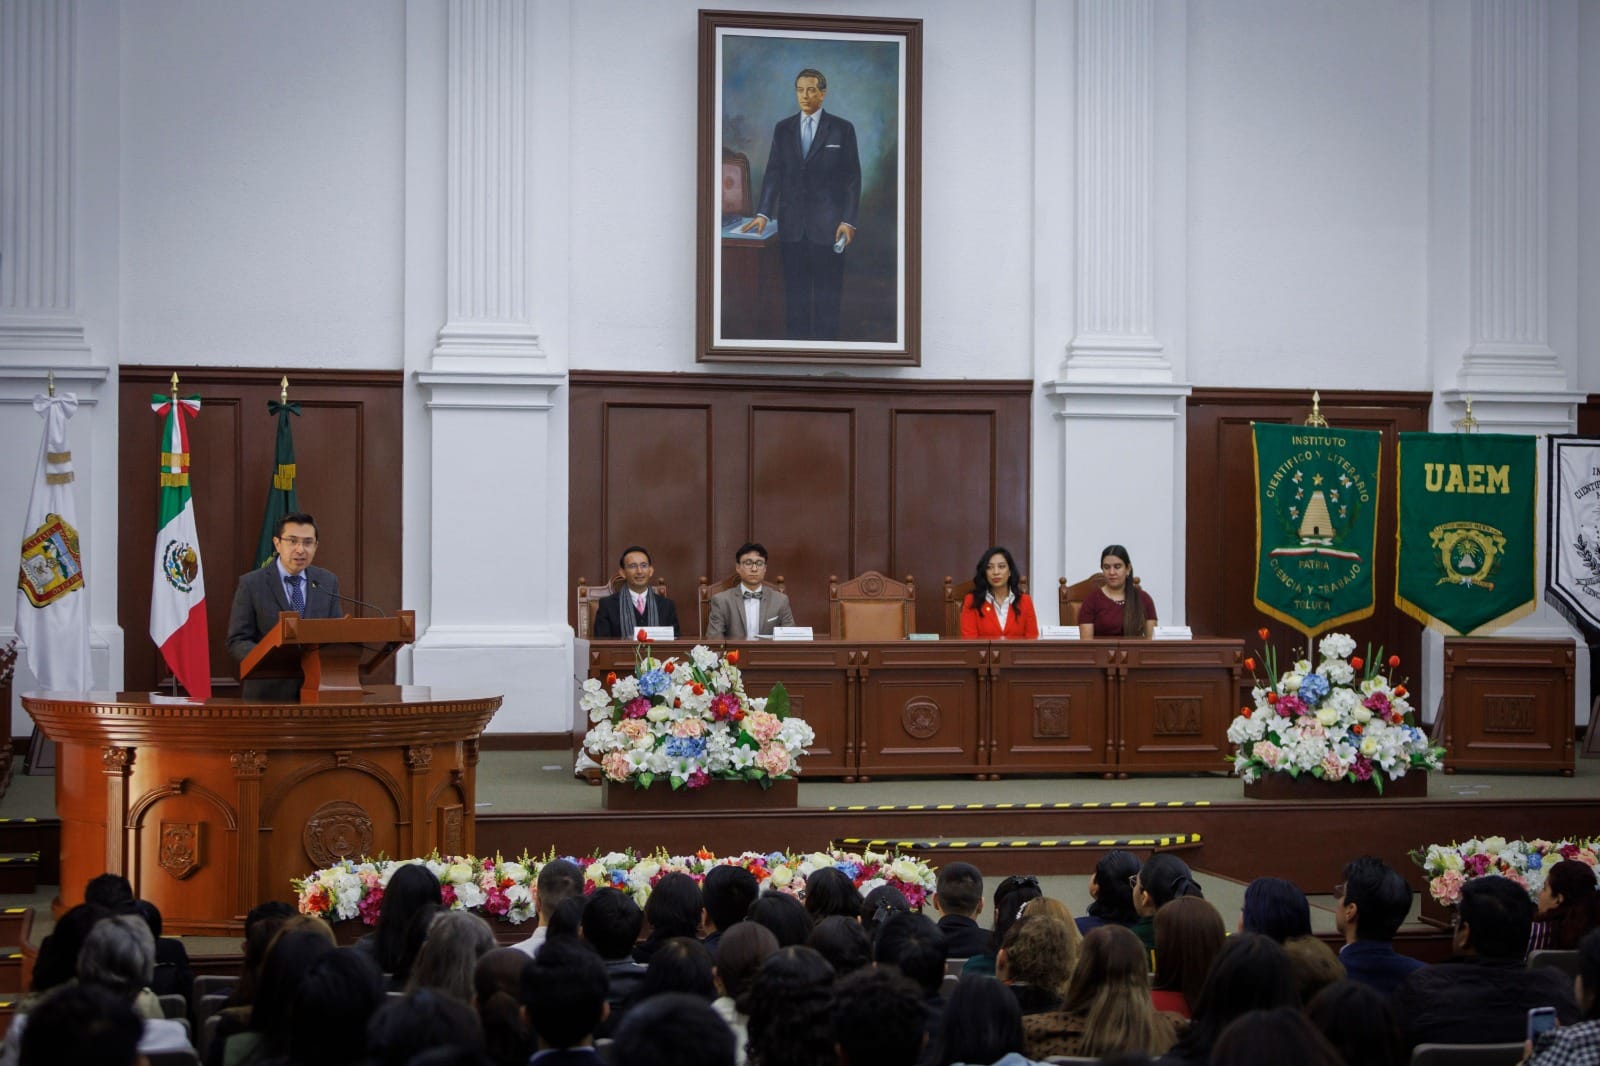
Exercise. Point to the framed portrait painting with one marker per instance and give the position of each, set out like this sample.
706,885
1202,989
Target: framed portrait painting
809,238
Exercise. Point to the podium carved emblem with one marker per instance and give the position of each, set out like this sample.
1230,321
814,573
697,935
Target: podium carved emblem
180,848
920,717
338,830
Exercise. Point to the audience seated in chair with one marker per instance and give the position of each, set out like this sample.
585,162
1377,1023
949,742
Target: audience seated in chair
727,893
611,924
406,1026
790,1007
878,1020
673,1029
564,992
558,880
744,946
82,1024
673,910
1483,995
958,897
1580,1042
1370,905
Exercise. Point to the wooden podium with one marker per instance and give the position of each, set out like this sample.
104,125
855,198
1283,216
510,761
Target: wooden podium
212,806
327,651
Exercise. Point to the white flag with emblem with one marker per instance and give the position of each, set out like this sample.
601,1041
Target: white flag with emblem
52,603
1572,547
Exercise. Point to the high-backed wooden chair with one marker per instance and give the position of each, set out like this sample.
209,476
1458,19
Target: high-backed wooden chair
954,597
1072,596
709,590
589,597
871,607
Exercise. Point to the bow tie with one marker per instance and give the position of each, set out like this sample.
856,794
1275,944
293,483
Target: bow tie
752,595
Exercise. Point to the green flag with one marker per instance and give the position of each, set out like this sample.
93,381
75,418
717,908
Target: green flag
1466,529
1316,515
281,499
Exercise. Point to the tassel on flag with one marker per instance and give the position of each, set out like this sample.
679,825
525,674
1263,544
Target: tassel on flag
177,588
52,604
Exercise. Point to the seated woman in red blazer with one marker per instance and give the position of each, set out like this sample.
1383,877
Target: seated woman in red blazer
1000,611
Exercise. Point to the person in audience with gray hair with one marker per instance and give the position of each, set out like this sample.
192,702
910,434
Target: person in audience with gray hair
118,956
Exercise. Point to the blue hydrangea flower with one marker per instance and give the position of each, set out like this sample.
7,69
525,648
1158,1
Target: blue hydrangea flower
850,869
654,682
686,747
1535,862
1312,688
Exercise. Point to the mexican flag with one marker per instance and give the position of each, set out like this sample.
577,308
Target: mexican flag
178,588
281,499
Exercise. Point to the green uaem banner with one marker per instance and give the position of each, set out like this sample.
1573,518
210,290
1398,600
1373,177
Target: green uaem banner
1316,523
1466,554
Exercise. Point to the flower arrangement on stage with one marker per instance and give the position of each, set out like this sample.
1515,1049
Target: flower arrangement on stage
1345,719
1449,866
690,722
505,890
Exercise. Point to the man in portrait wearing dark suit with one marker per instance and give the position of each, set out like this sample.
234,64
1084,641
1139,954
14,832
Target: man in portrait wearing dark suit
635,605
751,608
288,583
812,189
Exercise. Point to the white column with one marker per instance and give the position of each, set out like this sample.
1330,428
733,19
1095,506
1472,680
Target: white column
38,311
1510,200
1117,392
496,510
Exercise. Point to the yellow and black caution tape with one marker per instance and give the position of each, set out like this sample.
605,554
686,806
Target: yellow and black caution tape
4,859
1161,840
20,821
1090,805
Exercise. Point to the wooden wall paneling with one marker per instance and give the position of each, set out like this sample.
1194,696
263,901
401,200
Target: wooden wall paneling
1589,416
1221,519
834,476
655,454
348,454
802,500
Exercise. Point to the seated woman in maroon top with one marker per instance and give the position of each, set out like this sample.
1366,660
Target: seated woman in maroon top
1000,611
1111,611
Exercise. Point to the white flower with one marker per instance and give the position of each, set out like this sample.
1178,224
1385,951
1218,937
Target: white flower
1340,673
1337,645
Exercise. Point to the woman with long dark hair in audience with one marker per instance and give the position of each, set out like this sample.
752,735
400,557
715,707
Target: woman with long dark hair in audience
1189,936
830,891
790,1007
1111,890
410,888
261,928
1119,608
1276,908
1577,1045
1163,878
997,608
1107,1009
741,950
335,1000
1010,896
673,910
1359,1023
1036,961
1251,973
1569,906
497,997
296,948
981,1024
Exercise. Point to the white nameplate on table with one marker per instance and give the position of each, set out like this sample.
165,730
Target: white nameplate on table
1059,633
1172,633
922,636
658,633
791,633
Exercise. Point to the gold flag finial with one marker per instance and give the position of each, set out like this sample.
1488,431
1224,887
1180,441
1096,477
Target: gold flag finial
174,384
1466,423
50,383
1315,417
283,389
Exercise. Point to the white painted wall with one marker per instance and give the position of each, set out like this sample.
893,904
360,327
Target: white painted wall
262,176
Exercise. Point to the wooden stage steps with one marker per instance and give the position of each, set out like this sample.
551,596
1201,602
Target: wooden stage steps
1064,855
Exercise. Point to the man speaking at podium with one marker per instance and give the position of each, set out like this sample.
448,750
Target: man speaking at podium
288,583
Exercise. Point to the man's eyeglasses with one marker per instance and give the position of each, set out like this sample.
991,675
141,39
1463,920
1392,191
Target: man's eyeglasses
295,542
753,564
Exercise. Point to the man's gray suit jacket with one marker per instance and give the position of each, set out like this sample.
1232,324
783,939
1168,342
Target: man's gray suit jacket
727,613
261,597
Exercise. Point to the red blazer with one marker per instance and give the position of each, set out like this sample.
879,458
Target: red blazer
983,624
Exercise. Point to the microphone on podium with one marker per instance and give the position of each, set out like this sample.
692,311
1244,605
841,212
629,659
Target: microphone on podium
351,599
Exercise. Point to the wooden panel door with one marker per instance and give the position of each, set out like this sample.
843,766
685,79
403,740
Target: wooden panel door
1221,514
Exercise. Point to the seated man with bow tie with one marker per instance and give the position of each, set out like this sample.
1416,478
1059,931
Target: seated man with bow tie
287,583
636,605
751,608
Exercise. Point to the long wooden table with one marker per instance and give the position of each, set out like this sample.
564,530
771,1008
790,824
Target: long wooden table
914,708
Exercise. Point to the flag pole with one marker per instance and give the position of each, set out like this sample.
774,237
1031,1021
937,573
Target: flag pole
174,673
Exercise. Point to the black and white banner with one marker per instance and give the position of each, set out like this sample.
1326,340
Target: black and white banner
1572,546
